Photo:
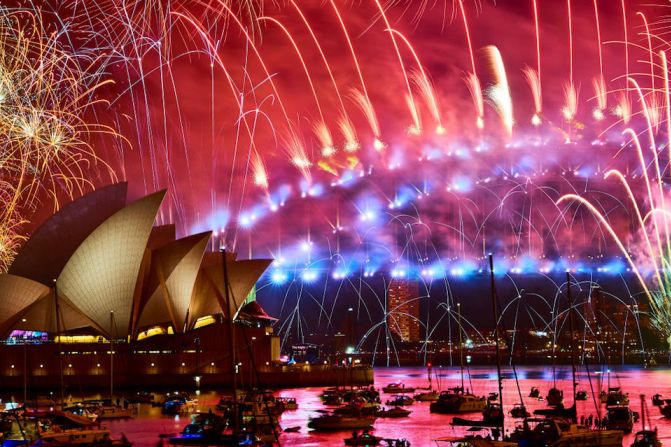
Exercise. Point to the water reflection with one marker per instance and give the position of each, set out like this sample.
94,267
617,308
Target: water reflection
421,427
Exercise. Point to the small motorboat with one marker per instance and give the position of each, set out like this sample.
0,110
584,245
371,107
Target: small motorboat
179,405
294,429
398,388
287,403
396,412
428,396
646,438
519,411
114,412
332,400
401,401
581,395
535,393
665,409
657,400
397,442
204,429
555,397
332,397
363,439
614,397
620,418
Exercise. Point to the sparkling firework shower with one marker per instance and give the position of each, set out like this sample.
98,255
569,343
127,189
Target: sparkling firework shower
348,140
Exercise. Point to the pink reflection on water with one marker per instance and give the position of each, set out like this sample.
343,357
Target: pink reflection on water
421,427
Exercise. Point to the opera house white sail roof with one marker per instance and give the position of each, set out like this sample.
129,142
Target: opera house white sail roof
91,261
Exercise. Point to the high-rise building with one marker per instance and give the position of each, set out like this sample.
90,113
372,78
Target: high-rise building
403,309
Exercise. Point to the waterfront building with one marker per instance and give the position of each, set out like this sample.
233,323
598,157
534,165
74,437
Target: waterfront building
403,309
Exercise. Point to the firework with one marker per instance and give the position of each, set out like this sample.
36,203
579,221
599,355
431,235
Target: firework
45,94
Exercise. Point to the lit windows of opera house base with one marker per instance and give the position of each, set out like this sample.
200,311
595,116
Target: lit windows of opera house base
98,270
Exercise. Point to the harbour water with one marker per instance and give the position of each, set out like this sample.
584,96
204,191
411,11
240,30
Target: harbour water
421,427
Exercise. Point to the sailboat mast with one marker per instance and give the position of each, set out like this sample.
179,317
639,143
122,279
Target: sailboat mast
495,312
111,356
642,411
461,346
231,344
571,322
60,351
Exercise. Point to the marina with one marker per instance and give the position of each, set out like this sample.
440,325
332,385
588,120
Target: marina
420,427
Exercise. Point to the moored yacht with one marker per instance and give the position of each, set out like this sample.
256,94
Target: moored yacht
456,401
334,422
560,433
66,429
398,388
614,396
114,412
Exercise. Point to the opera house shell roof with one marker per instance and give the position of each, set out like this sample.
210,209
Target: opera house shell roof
100,263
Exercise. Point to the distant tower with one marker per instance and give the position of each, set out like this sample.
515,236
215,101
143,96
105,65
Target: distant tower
403,309
350,328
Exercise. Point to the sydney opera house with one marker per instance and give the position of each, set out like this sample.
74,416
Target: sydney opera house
101,294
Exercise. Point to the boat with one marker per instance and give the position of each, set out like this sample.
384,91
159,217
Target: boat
287,403
114,412
401,401
398,388
61,428
535,393
474,441
519,411
581,395
332,397
557,432
395,412
619,417
391,442
294,429
428,396
368,394
204,429
554,397
666,409
645,437
334,422
613,397
456,401
363,439
657,400
82,410
179,405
